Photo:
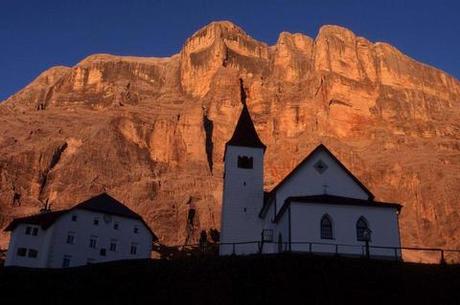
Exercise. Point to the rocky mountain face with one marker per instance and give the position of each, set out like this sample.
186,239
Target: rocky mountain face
151,131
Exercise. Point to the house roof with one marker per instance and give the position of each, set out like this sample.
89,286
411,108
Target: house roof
102,203
338,200
245,133
44,220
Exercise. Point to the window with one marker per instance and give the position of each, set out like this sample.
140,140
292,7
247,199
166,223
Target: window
32,253
361,227
326,228
66,261
74,217
21,251
136,229
31,230
320,166
113,245
133,250
93,242
70,238
267,235
115,226
103,252
245,162
96,221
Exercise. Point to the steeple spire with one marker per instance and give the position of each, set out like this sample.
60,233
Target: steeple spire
245,133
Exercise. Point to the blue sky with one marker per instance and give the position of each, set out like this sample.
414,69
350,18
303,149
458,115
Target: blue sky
38,34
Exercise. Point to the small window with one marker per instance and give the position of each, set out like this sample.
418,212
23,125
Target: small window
34,231
21,251
361,228
93,242
133,249
136,229
66,261
96,221
245,162
113,245
320,166
28,230
32,253
326,228
115,226
74,217
103,252
267,235
70,238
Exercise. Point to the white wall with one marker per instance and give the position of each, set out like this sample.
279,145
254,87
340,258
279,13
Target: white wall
52,243
307,181
242,201
40,242
305,227
105,232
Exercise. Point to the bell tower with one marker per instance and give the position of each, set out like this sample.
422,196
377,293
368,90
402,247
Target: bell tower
243,186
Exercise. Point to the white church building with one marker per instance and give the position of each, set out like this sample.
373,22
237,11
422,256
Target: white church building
319,207
100,229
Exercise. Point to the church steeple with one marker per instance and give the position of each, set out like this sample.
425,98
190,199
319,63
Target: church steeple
245,133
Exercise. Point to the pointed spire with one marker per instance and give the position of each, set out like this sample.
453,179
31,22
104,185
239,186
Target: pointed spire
245,133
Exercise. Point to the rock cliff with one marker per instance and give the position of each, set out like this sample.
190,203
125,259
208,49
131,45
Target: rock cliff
151,131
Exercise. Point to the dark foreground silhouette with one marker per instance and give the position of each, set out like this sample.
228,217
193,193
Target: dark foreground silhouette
281,279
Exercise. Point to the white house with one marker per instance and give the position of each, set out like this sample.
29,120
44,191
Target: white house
320,207
99,229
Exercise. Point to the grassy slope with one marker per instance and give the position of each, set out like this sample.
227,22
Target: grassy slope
236,280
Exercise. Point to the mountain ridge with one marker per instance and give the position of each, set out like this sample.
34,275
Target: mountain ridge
157,126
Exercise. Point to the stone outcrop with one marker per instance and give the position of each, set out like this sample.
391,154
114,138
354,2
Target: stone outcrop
151,131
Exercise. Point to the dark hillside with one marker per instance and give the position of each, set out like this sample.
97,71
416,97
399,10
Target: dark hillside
236,280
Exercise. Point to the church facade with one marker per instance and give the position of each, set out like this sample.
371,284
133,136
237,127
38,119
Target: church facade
320,207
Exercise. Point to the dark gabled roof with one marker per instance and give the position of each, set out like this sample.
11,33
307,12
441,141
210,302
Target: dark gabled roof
102,203
245,133
321,147
331,199
44,220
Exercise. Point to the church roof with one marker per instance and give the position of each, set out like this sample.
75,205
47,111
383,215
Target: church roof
102,203
331,199
245,133
321,147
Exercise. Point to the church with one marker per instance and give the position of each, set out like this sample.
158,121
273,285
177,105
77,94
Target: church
319,207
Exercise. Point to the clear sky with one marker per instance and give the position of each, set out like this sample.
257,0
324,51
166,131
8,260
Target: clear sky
38,34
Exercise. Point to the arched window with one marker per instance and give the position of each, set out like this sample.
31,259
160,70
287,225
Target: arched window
326,227
361,227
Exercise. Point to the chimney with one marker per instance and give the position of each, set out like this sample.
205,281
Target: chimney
46,207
